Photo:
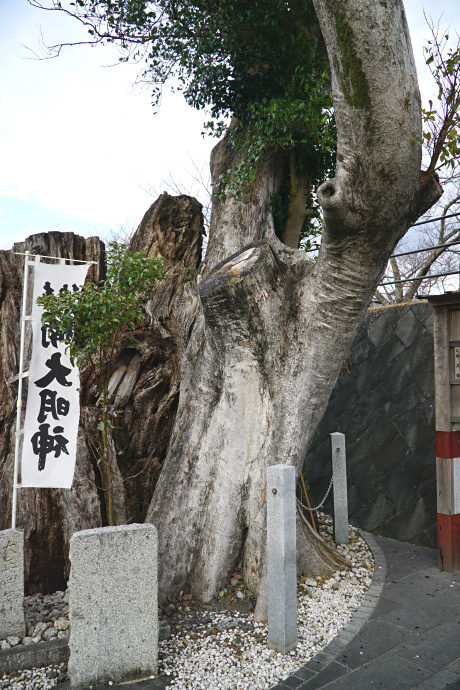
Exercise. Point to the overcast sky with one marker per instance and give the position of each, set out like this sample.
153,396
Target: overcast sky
79,146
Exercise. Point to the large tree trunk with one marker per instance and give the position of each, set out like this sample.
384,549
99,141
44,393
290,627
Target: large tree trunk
273,327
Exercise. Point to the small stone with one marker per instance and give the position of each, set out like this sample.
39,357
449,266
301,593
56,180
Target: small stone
27,640
13,641
164,632
240,594
309,582
52,673
62,677
5,645
50,634
40,629
62,624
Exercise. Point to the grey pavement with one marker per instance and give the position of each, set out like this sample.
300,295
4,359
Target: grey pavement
405,635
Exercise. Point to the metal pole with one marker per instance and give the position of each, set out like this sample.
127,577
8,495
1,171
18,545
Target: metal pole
19,403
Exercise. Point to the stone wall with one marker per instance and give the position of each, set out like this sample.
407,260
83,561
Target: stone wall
384,403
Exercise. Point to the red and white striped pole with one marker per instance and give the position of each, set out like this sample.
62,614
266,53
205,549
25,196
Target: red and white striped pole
448,499
446,317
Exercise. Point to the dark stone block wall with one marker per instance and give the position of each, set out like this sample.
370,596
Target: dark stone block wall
384,404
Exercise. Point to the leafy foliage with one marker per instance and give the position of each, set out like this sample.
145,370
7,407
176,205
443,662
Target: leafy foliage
260,61
96,316
225,54
289,122
95,321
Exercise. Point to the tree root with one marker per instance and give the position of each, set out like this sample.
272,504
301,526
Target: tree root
315,557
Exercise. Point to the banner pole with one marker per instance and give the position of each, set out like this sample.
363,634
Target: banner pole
20,377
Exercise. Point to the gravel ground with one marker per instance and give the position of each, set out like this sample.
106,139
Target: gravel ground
219,646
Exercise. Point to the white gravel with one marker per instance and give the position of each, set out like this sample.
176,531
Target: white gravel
236,657
43,678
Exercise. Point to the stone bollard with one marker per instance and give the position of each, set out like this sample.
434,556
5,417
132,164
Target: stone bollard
281,558
113,605
340,503
12,620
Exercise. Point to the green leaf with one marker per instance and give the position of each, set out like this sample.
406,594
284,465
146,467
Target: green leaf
94,318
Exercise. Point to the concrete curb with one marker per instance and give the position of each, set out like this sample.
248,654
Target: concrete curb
368,604
37,655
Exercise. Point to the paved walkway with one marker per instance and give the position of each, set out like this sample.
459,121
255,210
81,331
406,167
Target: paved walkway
405,635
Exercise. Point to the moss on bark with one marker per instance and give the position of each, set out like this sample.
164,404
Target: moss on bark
354,82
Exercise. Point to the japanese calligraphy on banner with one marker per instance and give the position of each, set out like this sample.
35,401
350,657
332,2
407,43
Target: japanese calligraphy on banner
53,402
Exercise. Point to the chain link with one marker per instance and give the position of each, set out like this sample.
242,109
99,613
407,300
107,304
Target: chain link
320,505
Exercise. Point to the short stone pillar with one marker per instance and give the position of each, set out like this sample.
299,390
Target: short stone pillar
340,502
113,605
12,620
281,558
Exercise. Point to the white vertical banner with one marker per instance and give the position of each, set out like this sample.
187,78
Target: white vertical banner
53,399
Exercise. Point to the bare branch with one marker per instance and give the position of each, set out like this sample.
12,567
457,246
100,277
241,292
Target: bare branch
442,121
421,263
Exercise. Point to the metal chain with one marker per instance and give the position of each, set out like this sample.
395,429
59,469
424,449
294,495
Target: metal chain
320,505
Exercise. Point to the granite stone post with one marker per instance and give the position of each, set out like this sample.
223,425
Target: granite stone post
340,502
12,621
281,558
113,605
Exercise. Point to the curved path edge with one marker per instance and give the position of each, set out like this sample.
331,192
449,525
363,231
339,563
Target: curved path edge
313,667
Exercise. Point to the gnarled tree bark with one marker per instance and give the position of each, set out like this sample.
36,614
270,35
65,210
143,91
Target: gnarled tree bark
145,381
47,516
273,327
